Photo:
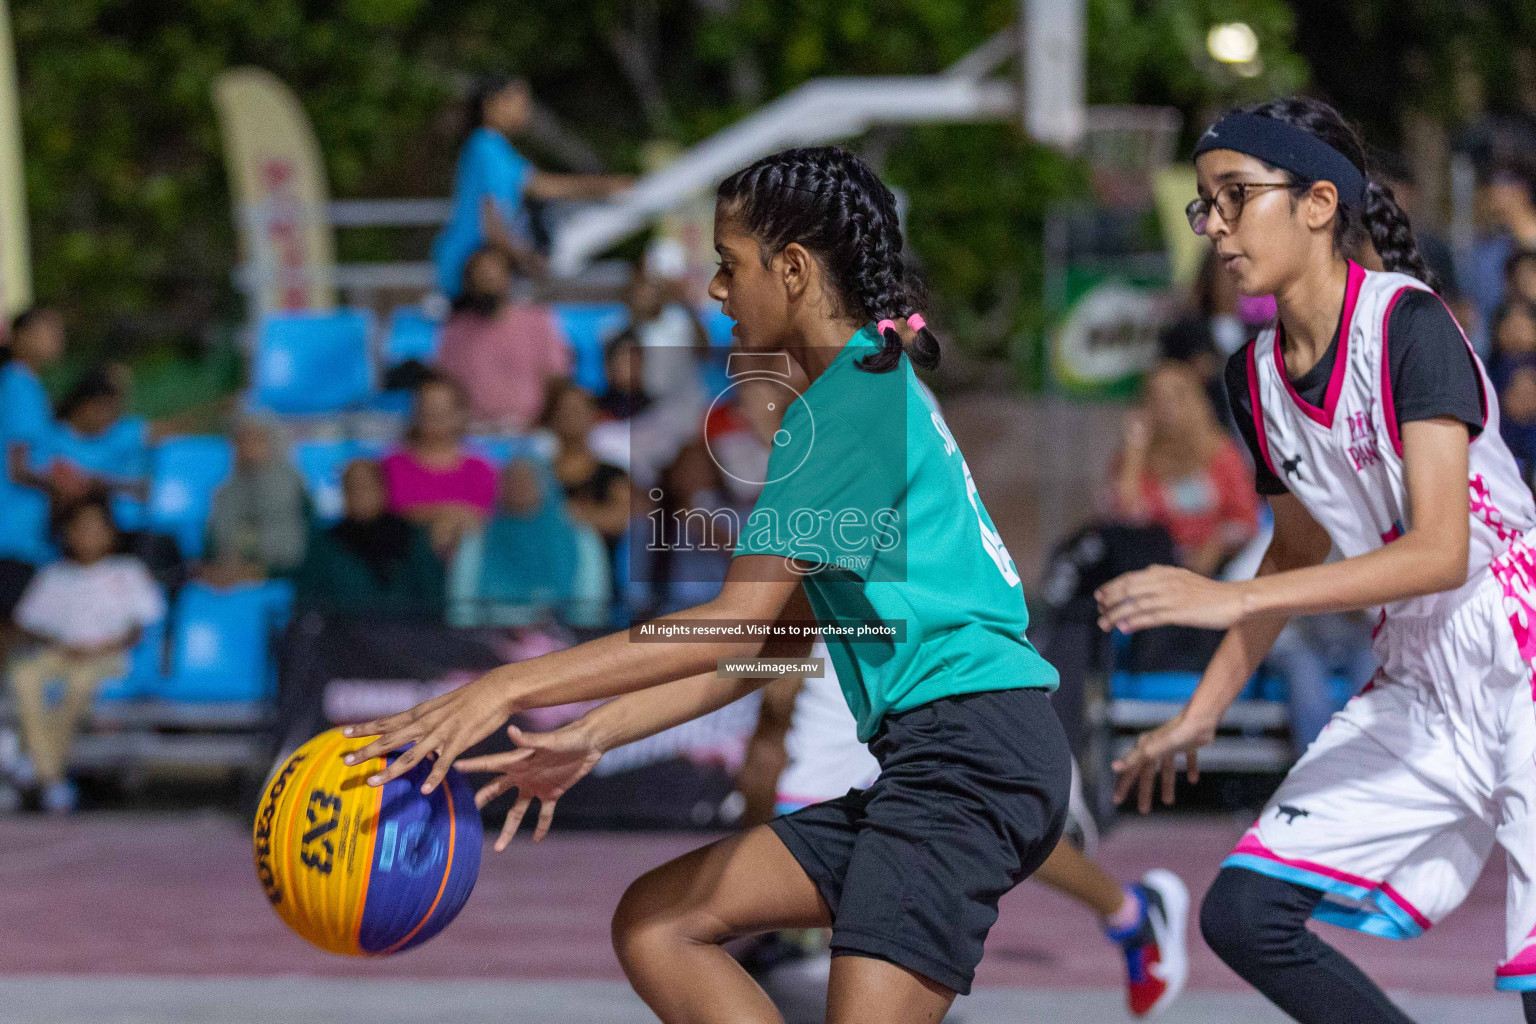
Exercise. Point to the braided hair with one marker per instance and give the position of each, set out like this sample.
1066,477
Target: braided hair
832,203
1382,222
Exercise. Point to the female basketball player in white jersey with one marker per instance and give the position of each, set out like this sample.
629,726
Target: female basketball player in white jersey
1375,431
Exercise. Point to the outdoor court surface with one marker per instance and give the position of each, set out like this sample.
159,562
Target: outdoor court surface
140,919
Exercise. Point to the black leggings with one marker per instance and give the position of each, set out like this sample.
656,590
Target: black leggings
1258,926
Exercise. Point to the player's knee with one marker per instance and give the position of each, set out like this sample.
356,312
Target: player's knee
651,920
1231,919
1223,925
1249,919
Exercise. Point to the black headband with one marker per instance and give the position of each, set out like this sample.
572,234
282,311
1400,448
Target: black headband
1283,145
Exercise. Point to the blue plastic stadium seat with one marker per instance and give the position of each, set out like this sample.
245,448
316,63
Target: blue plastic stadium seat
144,668
312,362
588,326
320,464
412,334
220,644
184,473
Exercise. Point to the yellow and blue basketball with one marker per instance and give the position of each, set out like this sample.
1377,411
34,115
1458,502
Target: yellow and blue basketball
360,870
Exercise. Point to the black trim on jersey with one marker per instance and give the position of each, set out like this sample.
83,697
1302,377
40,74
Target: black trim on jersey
1264,479
1429,364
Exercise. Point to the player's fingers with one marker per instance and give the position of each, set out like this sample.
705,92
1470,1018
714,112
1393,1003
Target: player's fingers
446,752
491,790
1144,790
546,818
539,740
402,764
1125,778
514,819
494,762
1168,779
1192,765
388,741
389,723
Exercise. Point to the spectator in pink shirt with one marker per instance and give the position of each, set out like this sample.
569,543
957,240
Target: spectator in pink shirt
502,353
432,479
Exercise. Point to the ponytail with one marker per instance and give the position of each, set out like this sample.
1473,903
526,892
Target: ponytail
924,353
832,203
1392,235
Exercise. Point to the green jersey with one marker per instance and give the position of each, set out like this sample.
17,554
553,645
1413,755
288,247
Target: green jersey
866,483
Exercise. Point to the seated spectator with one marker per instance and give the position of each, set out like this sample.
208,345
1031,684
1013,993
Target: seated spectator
531,558
85,612
634,429
1517,411
1179,470
700,529
432,479
99,446
1310,652
259,520
502,353
1180,493
597,492
372,562
1514,337
624,368
1520,276
26,424
667,328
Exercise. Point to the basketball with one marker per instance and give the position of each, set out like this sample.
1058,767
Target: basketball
359,870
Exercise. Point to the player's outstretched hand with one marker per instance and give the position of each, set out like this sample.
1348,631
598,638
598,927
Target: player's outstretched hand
443,727
1167,596
542,768
1154,758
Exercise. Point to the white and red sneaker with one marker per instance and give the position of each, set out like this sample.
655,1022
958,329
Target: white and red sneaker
1156,954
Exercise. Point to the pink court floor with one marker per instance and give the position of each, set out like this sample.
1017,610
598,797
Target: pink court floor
109,896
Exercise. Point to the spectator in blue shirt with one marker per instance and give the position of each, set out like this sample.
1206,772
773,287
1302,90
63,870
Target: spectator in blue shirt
1507,197
26,426
95,445
493,179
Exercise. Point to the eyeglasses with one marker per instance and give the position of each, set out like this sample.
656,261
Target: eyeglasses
1228,201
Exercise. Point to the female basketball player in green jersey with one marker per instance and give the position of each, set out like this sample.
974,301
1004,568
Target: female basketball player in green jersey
870,518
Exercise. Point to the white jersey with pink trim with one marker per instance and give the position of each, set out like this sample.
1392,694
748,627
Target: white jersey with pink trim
1344,462
1392,811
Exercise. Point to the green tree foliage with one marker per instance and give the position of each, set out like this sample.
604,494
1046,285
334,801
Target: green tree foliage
130,216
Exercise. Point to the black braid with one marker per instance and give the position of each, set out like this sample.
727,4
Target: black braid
1382,223
1392,235
832,203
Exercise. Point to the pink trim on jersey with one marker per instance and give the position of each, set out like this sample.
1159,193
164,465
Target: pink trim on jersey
1253,402
1324,416
1523,963
1251,845
1406,907
1388,410
1254,847
1386,364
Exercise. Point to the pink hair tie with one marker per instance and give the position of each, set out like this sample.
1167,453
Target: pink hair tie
881,327
916,322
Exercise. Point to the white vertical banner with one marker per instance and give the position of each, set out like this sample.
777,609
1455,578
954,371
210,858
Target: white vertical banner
277,182
15,253
1051,70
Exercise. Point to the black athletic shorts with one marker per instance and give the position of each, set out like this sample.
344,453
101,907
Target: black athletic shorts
971,799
